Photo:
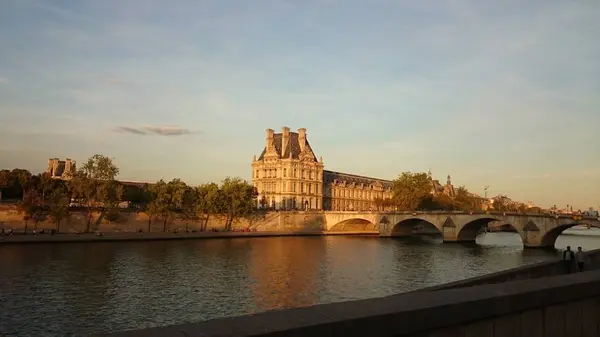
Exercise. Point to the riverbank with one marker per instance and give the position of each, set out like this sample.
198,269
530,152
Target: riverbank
107,237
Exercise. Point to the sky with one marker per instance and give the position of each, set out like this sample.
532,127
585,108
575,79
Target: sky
499,93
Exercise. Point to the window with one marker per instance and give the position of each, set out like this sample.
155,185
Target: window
295,173
309,188
285,172
284,186
301,187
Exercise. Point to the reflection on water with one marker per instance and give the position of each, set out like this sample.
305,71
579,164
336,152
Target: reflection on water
76,289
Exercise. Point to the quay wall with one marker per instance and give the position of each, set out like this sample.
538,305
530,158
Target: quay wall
563,305
132,221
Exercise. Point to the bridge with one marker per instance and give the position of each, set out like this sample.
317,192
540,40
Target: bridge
536,230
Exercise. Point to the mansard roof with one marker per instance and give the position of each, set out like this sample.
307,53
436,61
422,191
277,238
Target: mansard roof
292,146
330,176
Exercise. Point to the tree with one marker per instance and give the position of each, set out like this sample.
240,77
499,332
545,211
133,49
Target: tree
59,206
23,178
208,202
4,181
189,205
46,184
31,207
111,193
172,199
409,189
237,199
466,201
90,185
157,195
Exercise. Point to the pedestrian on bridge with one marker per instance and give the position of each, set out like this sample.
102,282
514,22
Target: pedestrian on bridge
568,259
580,258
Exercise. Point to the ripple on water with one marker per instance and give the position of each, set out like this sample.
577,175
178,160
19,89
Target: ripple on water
77,289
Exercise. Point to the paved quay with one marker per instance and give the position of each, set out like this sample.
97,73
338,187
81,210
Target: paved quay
107,237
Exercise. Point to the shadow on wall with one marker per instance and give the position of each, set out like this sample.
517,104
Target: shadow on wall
353,225
414,226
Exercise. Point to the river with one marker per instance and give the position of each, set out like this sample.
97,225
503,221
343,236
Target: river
77,288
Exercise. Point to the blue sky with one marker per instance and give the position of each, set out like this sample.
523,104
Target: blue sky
501,93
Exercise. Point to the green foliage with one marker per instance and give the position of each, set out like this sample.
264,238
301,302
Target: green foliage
413,191
59,206
31,207
99,167
208,202
93,186
409,190
4,181
237,199
189,205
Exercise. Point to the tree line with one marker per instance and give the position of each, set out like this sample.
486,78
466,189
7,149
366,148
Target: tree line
412,192
93,189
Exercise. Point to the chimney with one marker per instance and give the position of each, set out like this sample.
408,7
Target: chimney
285,138
67,166
302,138
269,143
55,167
50,165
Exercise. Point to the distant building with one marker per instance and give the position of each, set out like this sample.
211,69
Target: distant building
437,188
287,175
61,169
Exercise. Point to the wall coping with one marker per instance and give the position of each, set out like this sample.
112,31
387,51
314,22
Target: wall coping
398,314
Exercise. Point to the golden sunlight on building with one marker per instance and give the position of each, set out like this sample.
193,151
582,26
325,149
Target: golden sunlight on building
288,175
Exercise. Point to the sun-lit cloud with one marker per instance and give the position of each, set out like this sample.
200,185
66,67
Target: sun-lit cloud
156,130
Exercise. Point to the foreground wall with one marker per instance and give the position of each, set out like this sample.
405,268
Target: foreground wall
565,305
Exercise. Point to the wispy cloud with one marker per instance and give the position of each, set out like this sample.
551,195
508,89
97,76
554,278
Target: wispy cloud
156,130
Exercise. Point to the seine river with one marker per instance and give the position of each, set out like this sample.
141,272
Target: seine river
76,289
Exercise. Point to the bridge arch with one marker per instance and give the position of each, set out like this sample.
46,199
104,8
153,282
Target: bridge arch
354,224
549,239
469,231
406,226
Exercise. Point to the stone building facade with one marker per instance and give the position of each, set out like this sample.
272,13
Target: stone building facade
61,169
287,175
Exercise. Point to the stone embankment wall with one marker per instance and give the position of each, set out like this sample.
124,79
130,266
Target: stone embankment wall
131,221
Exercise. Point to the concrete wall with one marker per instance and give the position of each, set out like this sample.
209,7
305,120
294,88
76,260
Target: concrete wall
565,305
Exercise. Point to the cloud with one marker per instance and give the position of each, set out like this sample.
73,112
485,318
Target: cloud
3,80
157,130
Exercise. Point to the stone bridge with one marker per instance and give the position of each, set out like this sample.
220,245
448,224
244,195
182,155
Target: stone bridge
536,230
